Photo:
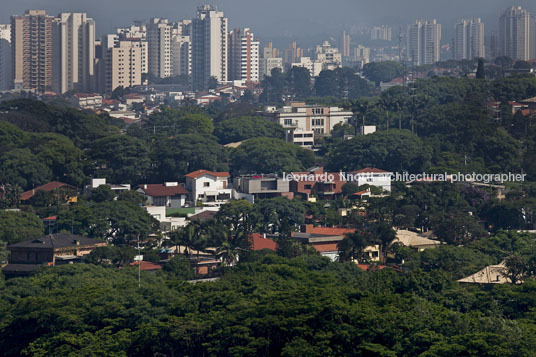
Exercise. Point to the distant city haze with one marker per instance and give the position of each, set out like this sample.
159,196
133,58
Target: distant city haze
279,19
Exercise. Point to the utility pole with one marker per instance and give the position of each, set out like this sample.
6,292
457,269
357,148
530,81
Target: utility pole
139,264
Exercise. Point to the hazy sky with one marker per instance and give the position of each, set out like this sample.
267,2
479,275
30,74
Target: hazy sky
278,18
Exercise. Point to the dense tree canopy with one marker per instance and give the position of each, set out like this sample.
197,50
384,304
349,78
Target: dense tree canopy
266,155
185,153
382,71
19,226
393,150
121,159
242,128
173,121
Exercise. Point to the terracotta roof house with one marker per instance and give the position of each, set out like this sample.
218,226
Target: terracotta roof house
48,250
203,216
71,191
260,242
147,266
168,194
326,240
316,181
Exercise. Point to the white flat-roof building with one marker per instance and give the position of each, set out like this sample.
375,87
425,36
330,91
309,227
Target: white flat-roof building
301,120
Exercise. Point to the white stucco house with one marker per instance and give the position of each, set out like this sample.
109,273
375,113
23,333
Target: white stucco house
167,224
373,177
208,186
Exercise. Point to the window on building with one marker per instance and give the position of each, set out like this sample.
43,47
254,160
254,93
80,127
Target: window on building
206,184
288,122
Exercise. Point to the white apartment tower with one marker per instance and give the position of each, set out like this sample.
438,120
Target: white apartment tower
533,38
514,33
243,56
469,40
120,65
74,53
329,56
361,54
181,48
5,57
380,33
424,42
159,36
209,46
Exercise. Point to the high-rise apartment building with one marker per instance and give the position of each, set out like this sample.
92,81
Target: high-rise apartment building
181,48
533,38
269,51
5,57
243,56
138,31
159,36
120,64
73,53
209,46
361,54
345,44
514,33
380,33
424,42
329,56
291,55
469,39
32,52
181,55
270,60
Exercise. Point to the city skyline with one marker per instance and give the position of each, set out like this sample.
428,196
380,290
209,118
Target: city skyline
278,18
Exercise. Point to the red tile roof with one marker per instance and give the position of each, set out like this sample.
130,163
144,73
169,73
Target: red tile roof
260,243
203,216
51,186
200,173
366,267
326,247
145,266
371,170
360,193
159,190
327,231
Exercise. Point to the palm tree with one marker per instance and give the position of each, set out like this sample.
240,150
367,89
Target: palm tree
352,246
384,235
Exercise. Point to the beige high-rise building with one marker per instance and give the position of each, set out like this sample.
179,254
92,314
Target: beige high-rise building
380,33
514,33
120,65
5,57
329,56
345,44
361,54
469,40
159,36
209,47
73,53
533,38
291,55
424,42
243,56
32,51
